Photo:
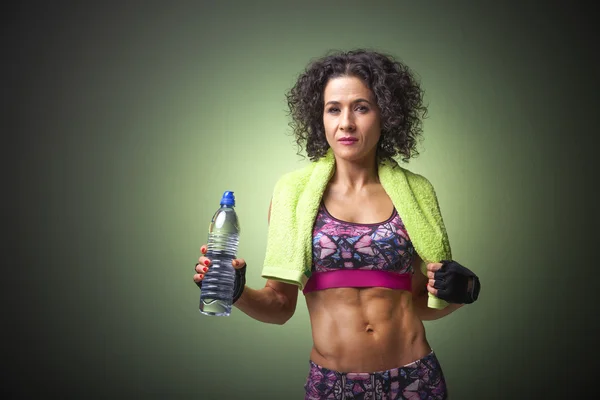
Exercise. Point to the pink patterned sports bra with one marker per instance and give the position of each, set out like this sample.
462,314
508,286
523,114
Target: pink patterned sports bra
347,254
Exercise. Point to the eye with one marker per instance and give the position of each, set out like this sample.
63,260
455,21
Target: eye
332,110
362,109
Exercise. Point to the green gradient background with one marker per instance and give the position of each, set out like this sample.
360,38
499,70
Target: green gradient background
138,118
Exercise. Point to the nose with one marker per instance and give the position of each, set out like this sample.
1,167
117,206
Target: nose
347,122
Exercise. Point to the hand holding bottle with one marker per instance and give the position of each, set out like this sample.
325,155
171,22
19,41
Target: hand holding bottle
203,265
218,288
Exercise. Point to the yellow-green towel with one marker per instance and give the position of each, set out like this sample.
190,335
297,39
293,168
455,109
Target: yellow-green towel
296,199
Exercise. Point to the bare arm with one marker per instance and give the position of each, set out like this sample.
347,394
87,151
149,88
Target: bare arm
420,289
273,304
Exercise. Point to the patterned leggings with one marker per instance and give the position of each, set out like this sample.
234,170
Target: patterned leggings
422,379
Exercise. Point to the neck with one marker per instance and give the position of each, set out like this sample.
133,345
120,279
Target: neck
355,175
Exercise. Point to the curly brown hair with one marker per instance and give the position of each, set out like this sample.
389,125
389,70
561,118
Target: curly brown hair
398,95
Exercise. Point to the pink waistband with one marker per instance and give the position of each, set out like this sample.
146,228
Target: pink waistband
358,278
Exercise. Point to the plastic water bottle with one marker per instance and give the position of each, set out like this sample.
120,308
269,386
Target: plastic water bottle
216,295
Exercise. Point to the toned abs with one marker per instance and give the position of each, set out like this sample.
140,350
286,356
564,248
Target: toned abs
365,329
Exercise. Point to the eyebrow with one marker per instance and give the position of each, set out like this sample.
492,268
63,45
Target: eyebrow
361,100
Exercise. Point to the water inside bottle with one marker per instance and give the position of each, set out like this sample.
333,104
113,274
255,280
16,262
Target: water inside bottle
215,308
217,287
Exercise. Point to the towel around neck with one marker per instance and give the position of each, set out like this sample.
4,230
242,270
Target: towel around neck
295,202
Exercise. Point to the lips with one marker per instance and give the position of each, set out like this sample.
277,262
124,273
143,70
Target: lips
347,140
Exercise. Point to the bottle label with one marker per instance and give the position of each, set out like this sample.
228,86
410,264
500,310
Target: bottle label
220,220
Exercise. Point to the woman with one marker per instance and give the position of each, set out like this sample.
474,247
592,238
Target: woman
359,110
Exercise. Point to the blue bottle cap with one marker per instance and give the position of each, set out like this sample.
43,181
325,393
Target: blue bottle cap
228,199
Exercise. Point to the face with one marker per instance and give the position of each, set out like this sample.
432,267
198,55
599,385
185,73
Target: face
351,119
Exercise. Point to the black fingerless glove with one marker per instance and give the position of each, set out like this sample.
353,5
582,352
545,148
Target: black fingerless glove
238,285
452,283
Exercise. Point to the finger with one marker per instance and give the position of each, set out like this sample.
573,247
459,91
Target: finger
432,290
198,277
204,261
203,249
433,266
430,275
200,268
238,263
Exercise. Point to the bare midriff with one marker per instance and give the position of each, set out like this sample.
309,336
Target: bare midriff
365,329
